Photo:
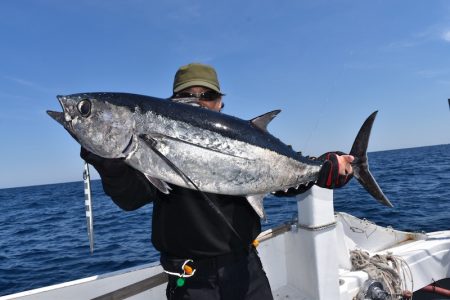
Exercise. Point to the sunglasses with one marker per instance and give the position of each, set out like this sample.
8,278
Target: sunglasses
206,96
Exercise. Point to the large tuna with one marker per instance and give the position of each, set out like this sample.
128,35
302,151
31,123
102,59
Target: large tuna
197,148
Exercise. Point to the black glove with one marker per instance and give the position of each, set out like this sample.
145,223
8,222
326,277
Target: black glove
127,187
329,176
106,167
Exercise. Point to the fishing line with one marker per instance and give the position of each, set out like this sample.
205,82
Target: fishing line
321,114
152,144
322,111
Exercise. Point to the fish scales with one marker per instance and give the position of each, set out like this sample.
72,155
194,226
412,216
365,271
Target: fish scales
216,163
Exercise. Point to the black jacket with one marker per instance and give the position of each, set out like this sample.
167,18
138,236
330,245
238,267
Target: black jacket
184,224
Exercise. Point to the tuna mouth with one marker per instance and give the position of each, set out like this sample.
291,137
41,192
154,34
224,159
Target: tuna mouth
57,115
62,117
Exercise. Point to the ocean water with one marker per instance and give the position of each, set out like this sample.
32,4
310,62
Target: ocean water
43,236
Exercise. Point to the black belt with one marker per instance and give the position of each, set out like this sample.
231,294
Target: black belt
204,265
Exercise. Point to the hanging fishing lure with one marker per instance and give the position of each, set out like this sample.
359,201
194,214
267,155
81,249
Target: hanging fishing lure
88,206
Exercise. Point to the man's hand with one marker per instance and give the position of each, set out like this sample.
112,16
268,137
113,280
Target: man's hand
345,166
109,167
336,170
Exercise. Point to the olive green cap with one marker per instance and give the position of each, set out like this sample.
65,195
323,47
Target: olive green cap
196,74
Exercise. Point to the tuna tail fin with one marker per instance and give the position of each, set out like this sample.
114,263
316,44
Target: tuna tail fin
361,164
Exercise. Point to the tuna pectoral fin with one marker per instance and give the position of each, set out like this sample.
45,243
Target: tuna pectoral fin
150,142
361,163
256,201
161,185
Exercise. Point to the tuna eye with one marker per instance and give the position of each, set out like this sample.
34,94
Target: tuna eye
84,107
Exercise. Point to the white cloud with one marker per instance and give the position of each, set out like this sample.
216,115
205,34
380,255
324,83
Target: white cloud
430,34
444,82
401,44
433,73
28,84
446,36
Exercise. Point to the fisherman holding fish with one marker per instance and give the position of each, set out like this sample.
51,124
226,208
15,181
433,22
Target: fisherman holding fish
206,240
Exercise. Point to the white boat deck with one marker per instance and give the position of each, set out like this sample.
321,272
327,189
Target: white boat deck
307,260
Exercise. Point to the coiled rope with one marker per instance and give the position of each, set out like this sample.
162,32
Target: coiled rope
391,270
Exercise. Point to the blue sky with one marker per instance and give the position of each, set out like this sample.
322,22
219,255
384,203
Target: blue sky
326,64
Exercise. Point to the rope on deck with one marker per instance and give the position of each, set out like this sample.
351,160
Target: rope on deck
391,270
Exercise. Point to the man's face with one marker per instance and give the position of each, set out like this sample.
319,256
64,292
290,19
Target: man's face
215,104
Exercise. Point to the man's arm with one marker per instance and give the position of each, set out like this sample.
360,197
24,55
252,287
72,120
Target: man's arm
127,187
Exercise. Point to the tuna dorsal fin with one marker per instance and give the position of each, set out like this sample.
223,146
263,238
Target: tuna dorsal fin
262,121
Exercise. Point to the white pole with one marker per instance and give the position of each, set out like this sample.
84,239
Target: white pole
313,265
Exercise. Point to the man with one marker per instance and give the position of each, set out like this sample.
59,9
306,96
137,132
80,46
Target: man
205,239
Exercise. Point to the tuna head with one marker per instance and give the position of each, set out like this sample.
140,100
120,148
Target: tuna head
98,123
